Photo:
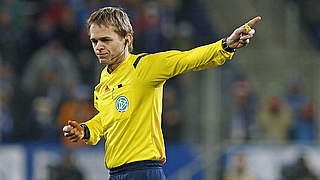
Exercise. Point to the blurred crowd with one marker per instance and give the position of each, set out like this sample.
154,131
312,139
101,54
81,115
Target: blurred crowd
48,71
309,19
282,114
239,169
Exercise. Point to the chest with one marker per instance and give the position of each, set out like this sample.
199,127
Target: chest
114,97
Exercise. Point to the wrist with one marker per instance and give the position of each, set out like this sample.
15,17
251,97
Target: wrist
226,47
86,132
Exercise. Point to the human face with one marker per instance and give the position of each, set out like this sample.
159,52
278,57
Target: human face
107,44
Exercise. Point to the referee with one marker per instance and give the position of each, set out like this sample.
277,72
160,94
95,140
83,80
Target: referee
129,94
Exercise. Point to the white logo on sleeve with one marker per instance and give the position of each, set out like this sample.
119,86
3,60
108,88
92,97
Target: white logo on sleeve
122,104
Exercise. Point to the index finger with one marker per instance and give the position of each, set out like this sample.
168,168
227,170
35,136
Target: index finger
253,21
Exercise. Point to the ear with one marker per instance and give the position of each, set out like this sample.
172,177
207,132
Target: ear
128,39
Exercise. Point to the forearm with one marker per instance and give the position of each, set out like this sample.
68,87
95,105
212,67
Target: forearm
218,57
199,58
93,130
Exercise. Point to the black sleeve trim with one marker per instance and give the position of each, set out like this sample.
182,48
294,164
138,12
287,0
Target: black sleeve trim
226,47
86,131
138,59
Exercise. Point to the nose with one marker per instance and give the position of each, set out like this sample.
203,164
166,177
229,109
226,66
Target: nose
99,46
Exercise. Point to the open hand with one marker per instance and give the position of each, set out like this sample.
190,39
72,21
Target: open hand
242,35
73,131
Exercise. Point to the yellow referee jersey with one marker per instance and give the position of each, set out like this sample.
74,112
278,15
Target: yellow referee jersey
129,101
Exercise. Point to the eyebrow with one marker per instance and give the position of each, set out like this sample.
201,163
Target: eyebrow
104,37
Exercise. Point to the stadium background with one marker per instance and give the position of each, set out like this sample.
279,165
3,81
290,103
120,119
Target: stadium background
258,111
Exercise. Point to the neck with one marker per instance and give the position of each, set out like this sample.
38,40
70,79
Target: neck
120,60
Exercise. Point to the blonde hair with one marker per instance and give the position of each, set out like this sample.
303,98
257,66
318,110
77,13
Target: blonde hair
112,16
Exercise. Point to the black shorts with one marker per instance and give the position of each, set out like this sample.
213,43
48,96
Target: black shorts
141,170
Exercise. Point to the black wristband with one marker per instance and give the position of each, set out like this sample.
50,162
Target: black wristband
226,47
86,131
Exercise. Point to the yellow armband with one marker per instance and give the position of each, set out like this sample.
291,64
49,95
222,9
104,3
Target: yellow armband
248,28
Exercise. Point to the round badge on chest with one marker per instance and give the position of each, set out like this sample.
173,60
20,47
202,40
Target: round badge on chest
122,104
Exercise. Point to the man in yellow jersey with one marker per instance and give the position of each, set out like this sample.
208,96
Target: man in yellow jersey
129,94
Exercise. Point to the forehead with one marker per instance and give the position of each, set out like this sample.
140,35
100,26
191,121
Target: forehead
96,31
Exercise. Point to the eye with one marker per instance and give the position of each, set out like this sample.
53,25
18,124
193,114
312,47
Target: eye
94,41
105,40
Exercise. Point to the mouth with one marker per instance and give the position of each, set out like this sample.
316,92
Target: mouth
102,54
103,58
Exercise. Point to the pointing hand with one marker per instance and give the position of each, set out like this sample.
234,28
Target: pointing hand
241,36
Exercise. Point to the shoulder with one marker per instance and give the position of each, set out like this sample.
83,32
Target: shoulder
153,55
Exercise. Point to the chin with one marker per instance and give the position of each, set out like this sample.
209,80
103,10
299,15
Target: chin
102,62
